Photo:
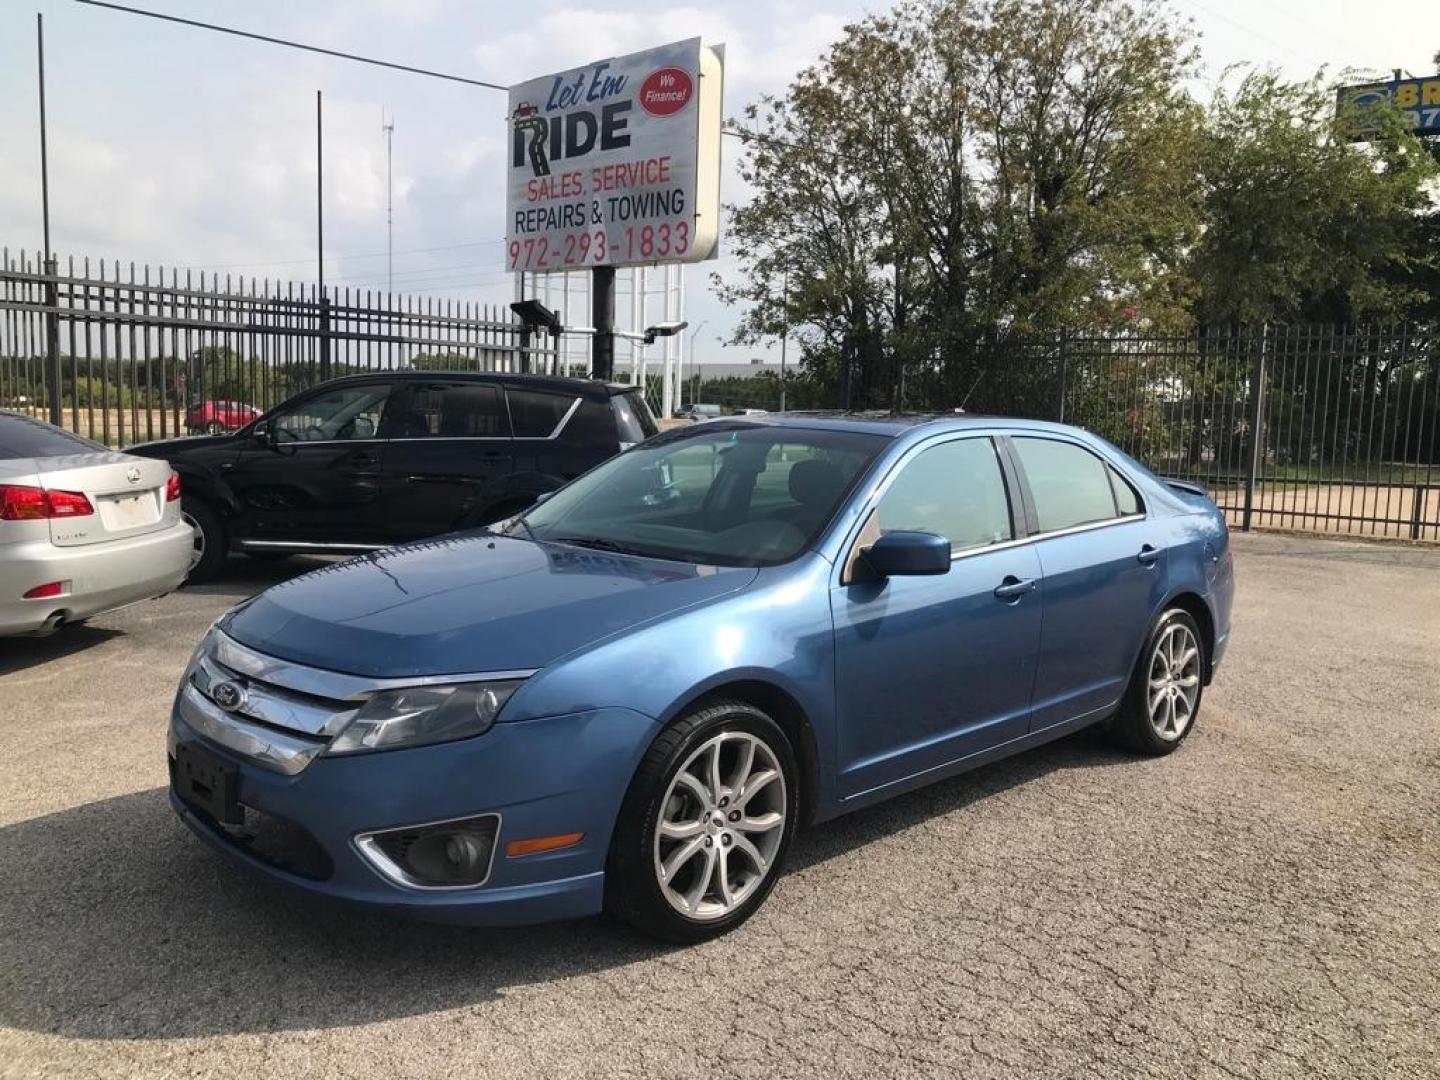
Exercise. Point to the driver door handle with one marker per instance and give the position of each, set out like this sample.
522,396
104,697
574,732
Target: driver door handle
363,457
1012,588
1147,555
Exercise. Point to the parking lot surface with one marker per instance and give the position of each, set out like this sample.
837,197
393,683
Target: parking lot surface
1263,903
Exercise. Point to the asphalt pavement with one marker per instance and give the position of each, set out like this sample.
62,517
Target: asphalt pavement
1263,903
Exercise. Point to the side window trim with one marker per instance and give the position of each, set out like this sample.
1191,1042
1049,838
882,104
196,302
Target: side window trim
1033,515
1115,475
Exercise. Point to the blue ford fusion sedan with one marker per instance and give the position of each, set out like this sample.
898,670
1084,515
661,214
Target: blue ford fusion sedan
629,697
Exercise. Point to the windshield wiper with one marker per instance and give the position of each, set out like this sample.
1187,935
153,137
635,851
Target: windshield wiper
599,543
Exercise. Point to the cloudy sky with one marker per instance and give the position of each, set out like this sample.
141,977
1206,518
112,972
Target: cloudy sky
174,146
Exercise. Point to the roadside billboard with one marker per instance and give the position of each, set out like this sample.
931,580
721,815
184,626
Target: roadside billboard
616,163
1418,100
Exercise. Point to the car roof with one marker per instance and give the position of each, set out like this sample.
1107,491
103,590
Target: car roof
584,387
894,425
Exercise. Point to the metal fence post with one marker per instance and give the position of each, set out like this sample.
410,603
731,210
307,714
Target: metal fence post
324,337
1257,436
1064,365
52,341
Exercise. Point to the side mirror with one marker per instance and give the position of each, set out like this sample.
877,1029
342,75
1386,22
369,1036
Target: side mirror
542,497
261,433
909,554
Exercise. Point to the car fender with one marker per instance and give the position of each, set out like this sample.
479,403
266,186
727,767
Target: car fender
776,631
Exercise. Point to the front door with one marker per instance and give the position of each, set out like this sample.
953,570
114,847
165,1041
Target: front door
930,670
316,478
448,457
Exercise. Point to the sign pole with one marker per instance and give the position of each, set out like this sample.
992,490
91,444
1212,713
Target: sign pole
602,309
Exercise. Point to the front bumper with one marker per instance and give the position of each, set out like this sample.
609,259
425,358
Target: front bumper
543,777
102,576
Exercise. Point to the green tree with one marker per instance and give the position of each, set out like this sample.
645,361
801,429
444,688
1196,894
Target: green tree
962,167
1299,222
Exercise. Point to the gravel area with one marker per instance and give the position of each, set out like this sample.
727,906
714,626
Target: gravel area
1264,903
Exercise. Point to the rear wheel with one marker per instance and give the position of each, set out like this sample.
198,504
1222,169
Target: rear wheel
705,826
1163,701
208,554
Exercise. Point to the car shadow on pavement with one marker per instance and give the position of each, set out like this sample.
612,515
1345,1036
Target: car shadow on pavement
19,653
116,923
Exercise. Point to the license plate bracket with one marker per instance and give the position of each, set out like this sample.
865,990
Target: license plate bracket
207,783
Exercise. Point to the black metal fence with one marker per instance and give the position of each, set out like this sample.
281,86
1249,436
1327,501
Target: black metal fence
1310,428
122,354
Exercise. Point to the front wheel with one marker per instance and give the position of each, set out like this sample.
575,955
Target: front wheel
210,544
1163,701
705,826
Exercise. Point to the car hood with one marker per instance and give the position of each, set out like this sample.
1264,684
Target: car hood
468,603
164,448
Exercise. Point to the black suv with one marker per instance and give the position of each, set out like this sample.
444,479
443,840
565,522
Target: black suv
371,460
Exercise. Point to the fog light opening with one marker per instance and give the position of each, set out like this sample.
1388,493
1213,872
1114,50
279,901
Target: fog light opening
445,855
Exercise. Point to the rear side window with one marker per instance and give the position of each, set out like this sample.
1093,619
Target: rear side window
536,414
633,421
448,410
1127,501
1071,486
955,490
21,437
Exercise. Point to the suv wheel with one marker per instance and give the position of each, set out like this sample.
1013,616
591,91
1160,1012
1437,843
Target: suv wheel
210,541
705,826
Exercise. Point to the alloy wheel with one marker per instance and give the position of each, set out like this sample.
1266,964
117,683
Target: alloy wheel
721,824
1174,686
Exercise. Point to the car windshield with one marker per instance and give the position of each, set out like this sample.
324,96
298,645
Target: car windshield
737,495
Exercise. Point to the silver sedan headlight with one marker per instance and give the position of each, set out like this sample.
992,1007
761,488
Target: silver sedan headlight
423,715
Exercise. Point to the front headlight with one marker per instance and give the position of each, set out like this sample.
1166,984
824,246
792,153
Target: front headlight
422,715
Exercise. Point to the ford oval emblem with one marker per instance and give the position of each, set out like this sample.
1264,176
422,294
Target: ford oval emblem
133,475
228,695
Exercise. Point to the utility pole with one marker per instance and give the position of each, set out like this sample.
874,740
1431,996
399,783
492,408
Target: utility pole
320,237
389,129
52,296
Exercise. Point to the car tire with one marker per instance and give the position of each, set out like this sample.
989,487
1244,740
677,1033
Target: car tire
730,869
211,544
214,427
1162,703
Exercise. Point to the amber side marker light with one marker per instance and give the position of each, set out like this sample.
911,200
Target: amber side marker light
542,843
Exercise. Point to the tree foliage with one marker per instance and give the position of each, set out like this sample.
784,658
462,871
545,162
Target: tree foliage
958,170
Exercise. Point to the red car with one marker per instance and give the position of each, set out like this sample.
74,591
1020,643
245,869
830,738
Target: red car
218,417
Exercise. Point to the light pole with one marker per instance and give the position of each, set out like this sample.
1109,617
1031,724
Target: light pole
693,335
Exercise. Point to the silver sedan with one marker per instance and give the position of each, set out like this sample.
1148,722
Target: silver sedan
83,529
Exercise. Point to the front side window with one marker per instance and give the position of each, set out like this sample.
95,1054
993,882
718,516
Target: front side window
448,410
724,496
1071,486
338,415
955,490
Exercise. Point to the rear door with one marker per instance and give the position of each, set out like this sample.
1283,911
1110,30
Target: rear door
1104,568
316,481
448,456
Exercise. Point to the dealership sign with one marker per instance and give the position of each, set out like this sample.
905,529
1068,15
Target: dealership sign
616,163
1362,108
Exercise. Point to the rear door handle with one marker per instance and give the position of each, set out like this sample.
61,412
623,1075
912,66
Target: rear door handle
1012,588
363,458
1147,555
